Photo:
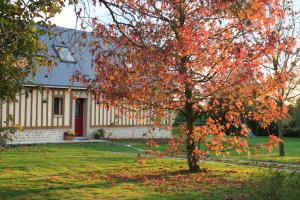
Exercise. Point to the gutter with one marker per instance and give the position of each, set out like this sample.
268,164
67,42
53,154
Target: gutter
55,86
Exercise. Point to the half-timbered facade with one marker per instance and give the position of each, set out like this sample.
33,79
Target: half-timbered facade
51,103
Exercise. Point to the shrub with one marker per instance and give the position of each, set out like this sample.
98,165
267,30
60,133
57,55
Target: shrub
100,133
6,133
69,133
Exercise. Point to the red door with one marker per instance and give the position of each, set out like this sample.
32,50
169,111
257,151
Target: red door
78,117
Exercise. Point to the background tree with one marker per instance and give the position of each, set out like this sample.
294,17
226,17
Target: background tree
284,63
21,52
185,55
292,123
297,114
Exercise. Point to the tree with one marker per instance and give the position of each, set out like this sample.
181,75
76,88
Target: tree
185,55
296,114
284,63
21,51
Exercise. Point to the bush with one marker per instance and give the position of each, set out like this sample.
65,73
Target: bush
69,133
292,133
6,133
98,134
180,118
4,138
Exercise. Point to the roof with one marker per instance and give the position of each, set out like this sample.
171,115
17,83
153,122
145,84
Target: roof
61,73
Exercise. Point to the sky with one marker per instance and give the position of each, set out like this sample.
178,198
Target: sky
67,17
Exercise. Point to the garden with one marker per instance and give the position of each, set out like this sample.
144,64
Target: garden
111,170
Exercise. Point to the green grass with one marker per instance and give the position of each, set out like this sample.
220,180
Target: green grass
292,148
109,171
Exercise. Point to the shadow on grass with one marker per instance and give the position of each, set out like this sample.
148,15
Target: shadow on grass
97,146
166,184
159,184
15,193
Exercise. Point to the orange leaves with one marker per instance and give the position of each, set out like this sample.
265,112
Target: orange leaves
106,178
199,153
152,144
194,58
142,162
275,139
228,125
94,176
52,178
257,11
141,158
110,178
250,102
197,42
271,143
230,116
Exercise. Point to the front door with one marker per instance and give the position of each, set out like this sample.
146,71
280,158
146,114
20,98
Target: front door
78,117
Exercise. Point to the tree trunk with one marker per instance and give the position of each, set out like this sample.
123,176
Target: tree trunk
280,130
280,134
192,158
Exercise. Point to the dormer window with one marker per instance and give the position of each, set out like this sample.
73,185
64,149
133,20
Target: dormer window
64,54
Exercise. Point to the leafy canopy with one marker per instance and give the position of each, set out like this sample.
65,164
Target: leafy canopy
195,57
21,53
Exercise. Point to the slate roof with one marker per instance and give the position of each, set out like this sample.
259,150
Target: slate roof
62,71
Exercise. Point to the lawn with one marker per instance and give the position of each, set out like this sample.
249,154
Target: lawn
292,148
110,171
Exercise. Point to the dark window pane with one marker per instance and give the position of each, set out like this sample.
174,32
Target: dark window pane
57,106
77,109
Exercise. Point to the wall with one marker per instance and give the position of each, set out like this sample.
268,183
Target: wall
38,136
101,116
34,109
34,112
42,136
133,132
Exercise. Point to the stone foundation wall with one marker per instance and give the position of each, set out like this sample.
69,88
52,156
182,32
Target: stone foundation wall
38,136
42,136
134,132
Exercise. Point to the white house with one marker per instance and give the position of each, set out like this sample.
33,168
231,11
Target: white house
51,103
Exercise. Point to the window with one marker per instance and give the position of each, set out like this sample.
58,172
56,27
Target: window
58,106
77,109
64,54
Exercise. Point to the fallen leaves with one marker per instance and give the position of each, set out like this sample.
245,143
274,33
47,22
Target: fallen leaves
106,178
94,176
9,169
164,181
52,178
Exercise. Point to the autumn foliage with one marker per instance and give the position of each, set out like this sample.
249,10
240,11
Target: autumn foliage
195,57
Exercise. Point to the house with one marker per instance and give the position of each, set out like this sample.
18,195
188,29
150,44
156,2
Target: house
51,103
